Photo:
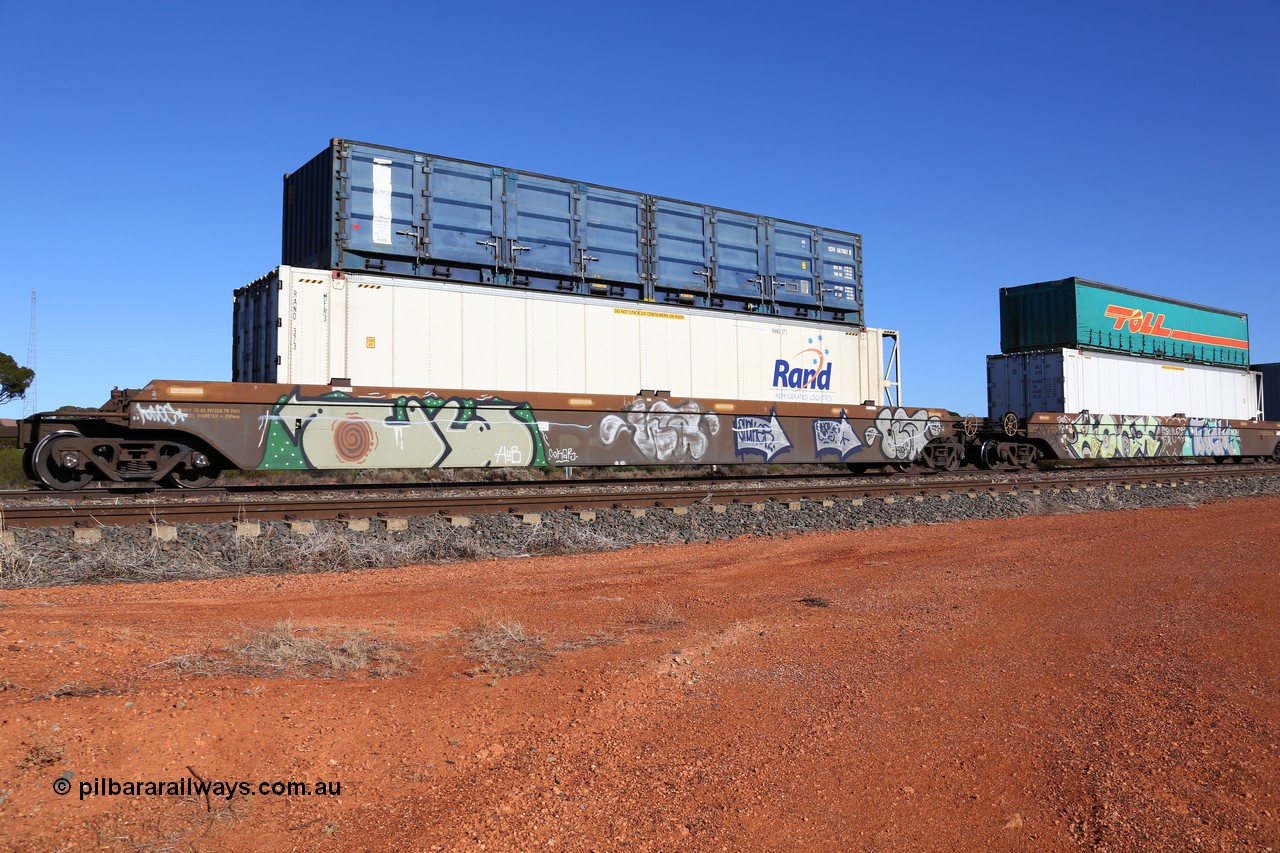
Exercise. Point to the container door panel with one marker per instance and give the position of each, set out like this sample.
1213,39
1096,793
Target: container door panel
465,212
682,246
840,269
540,224
740,255
383,205
792,263
610,233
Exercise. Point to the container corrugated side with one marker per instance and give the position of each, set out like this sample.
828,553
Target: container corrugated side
255,329
367,208
1076,313
409,332
1072,380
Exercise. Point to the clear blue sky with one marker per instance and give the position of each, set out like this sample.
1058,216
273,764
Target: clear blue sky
974,145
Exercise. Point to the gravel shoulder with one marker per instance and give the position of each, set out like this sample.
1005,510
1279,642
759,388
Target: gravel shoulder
1105,680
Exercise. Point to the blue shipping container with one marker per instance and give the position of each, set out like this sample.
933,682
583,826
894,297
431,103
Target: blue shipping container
362,207
1270,390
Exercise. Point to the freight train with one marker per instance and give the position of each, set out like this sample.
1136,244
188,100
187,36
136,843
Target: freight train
433,312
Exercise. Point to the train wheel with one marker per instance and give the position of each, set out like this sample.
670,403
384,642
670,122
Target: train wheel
184,477
46,465
989,456
943,457
1275,454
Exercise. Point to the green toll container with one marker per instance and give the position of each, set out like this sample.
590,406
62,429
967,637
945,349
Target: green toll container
1079,314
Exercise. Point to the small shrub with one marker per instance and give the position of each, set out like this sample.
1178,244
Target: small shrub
11,473
501,646
659,613
288,651
43,753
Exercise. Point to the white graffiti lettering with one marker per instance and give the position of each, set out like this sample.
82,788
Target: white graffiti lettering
561,455
161,413
509,456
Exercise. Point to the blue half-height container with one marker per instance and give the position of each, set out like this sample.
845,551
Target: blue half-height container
1080,314
369,208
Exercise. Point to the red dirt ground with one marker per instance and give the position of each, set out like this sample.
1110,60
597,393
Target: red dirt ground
1102,680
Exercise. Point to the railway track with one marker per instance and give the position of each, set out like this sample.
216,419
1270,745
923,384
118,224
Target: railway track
122,507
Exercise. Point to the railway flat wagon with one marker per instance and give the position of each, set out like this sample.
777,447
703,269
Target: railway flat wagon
184,433
367,208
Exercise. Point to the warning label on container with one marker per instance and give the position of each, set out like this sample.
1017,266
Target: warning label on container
382,202
637,313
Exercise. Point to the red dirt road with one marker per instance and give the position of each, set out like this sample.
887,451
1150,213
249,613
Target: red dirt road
1102,680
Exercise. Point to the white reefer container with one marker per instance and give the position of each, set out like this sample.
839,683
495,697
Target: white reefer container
314,326
1072,380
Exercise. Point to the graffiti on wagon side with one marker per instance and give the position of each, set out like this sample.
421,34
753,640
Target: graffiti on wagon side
835,435
902,434
662,432
1090,436
766,436
341,431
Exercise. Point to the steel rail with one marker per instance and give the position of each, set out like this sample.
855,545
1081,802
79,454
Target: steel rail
159,508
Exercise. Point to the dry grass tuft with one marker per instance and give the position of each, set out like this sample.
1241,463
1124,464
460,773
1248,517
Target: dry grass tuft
601,639
814,601
76,689
659,614
286,650
17,570
502,646
44,753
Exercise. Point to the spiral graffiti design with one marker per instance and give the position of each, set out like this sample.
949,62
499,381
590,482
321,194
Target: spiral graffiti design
353,439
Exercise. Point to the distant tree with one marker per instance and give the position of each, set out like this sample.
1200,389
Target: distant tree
14,380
